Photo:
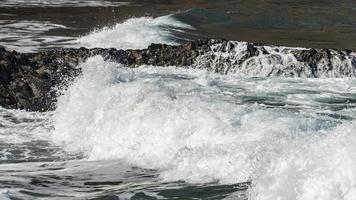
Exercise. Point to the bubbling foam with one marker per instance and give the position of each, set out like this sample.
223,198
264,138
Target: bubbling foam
317,167
194,126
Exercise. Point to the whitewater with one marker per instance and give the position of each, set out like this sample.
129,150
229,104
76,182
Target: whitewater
168,133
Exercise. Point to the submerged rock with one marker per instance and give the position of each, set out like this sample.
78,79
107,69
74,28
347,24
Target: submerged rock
27,79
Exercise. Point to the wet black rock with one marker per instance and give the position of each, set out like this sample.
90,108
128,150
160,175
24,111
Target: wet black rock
27,80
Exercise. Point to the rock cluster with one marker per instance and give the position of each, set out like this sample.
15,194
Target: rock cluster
27,79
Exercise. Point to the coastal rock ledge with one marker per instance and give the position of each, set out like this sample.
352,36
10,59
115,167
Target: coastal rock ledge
27,80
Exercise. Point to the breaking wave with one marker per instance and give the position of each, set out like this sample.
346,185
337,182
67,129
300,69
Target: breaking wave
291,138
135,33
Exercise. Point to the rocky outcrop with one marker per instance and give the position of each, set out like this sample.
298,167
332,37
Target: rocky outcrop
27,79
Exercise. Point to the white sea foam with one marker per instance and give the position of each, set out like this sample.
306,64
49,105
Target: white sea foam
199,127
312,167
269,61
20,126
25,136
134,33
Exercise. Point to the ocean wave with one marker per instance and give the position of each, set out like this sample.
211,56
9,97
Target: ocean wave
135,33
199,127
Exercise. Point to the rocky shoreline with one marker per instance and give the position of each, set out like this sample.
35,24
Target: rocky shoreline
27,79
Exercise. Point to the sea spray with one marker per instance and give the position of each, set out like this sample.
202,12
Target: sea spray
199,127
135,33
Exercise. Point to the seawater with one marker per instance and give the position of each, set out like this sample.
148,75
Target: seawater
170,133
135,33
310,23
146,131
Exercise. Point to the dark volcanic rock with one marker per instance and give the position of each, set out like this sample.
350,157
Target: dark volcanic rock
27,79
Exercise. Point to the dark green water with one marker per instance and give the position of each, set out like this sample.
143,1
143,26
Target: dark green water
305,23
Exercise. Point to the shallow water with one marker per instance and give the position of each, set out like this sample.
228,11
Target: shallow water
170,133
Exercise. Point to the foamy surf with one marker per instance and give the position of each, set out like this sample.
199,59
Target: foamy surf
135,33
291,141
163,133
